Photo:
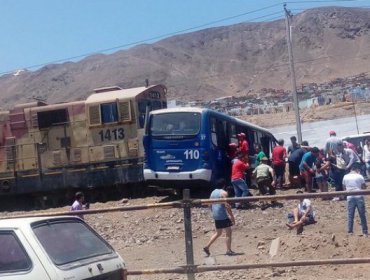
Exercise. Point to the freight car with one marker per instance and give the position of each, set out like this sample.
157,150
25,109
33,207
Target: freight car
47,150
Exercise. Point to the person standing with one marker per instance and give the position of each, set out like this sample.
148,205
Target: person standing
223,217
294,145
349,156
278,162
366,157
243,144
354,181
259,154
294,161
331,146
307,167
78,204
238,170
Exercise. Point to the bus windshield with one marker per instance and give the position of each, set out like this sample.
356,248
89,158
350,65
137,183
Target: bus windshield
177,123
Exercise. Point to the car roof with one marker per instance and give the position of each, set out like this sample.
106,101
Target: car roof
364,135
25,222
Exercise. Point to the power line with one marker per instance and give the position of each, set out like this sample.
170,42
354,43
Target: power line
319,1
152,38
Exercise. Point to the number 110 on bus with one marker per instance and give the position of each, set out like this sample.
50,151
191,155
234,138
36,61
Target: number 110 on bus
191,154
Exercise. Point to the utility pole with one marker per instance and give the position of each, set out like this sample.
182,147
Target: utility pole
288,17
354,109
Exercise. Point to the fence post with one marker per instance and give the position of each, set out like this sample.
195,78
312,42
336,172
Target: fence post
124,274
188,235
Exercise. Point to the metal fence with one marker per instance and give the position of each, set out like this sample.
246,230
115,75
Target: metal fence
190,268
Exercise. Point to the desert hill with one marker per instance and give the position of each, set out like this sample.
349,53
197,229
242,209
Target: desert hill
329,42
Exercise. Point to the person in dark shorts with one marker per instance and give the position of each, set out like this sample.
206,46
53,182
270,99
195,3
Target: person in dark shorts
223,217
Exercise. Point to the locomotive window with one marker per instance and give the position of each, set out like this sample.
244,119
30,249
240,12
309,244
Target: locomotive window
109,112
51,118
142,110
156,105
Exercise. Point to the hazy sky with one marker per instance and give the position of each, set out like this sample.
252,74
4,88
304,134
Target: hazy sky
35,32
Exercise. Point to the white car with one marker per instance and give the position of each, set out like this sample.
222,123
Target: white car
53,248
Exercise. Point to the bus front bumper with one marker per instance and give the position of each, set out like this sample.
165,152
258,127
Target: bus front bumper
199,174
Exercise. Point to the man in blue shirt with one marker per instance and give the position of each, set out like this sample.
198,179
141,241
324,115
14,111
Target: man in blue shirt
223,217
294,160
306,167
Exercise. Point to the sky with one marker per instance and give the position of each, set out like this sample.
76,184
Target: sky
38,32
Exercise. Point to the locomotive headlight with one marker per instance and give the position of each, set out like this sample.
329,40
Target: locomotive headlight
196,144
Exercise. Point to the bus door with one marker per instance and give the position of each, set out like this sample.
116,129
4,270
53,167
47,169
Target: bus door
266,145
219,148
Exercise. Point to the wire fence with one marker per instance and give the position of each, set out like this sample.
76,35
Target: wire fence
190,268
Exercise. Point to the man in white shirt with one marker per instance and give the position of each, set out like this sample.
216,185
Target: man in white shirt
354,181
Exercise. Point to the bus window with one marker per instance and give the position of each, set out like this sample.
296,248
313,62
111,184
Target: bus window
252,140
176,123
221,134
265,143
231,132
214,131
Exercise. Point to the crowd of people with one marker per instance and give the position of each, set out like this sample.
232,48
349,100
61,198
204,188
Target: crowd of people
340,164
299,166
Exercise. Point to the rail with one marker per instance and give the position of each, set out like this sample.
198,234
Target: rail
190,269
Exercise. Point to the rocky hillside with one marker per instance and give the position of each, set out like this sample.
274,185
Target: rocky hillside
329,42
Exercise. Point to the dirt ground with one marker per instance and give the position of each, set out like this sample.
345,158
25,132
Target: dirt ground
328,112
151,239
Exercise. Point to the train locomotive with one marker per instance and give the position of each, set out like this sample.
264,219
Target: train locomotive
91,144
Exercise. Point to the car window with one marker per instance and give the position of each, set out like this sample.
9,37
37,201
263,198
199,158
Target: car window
67,241
13,257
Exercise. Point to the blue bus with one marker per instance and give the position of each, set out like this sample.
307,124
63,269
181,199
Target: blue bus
187,147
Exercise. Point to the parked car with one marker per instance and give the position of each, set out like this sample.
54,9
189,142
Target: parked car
358,140
54,248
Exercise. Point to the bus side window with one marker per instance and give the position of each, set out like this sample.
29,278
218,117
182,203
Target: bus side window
265,143
231,133
221,134
213,125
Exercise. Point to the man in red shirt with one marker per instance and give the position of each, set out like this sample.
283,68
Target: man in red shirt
243,144
278,162
240,165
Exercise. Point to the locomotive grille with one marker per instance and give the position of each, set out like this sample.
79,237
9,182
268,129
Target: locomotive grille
10,150
77,153
34,120
124,111
94,114
57,158
109,152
